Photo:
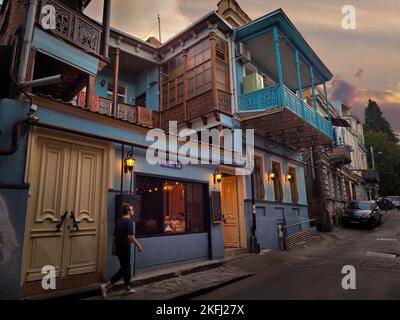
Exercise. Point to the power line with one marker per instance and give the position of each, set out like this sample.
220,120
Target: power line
152,28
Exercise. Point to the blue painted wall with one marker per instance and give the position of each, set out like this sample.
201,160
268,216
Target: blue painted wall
146,82
12,168
269,215
60,50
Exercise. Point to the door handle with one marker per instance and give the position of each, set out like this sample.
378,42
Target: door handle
58,226
74,224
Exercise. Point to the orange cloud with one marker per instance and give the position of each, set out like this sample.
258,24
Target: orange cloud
357,96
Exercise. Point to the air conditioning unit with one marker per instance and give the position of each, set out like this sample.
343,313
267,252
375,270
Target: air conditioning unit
242,53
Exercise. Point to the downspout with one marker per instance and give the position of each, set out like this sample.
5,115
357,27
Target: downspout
233,73
27,41
16,138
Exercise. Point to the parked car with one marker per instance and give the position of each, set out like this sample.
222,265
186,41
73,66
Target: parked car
362,213
385,204
395,200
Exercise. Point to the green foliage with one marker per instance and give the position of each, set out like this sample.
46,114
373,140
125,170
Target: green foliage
387,161
375,121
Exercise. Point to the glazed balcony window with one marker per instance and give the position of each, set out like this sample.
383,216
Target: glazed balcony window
196,82
170,207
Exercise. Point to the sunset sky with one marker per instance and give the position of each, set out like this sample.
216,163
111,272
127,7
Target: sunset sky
365,61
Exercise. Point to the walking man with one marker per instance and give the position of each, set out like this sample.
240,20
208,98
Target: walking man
121,247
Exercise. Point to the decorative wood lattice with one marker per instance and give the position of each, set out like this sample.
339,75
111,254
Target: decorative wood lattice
74,26
200,105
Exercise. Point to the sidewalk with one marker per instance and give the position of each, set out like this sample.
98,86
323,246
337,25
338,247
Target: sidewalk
166,284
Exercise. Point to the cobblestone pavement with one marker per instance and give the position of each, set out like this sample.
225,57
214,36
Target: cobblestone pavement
182,286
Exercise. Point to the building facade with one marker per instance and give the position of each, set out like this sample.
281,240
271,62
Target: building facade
84,98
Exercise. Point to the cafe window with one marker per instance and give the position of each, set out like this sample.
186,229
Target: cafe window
293,185
259,189
170,206
277,182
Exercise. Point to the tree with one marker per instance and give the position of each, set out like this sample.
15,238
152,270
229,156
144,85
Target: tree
387,161
375,121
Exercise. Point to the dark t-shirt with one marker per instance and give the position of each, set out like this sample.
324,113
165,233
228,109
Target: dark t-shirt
123,229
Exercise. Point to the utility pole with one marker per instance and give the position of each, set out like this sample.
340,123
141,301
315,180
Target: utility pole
372,158
159,27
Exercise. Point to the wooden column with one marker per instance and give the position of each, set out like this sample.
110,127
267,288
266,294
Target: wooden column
185,84
116,77
275,34
90,90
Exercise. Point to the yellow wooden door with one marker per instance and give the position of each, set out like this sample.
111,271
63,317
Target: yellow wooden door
86,181
48,178
229,210
68,179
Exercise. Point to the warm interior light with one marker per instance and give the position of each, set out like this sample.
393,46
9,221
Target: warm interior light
271,175
129,163
218,176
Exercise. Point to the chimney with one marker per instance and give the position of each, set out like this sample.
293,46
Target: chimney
231,11
154,41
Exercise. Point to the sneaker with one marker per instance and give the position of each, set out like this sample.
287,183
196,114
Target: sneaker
129,291
103,291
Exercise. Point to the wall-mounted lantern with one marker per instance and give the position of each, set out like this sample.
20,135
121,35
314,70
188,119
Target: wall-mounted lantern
288,176
217,176
129,163
271,175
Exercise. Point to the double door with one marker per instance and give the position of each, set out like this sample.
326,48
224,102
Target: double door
68,186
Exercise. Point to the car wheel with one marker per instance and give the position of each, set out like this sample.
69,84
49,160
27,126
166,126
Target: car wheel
372,223
345,224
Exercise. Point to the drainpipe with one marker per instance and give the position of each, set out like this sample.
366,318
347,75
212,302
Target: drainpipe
15,138
106,26
233,73
30,24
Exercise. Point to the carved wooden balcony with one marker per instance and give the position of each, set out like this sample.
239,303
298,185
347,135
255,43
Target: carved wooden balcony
74,27
340,154
126,112
197,107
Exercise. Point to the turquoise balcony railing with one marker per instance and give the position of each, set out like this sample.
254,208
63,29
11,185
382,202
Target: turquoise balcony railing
276,97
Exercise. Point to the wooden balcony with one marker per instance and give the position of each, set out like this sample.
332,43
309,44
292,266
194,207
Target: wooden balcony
126,112
371,176
74,27
340,154
197,107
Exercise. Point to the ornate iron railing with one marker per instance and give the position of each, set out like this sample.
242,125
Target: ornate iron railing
74,26
276,97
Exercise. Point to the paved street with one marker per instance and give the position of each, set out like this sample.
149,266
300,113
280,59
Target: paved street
313,271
